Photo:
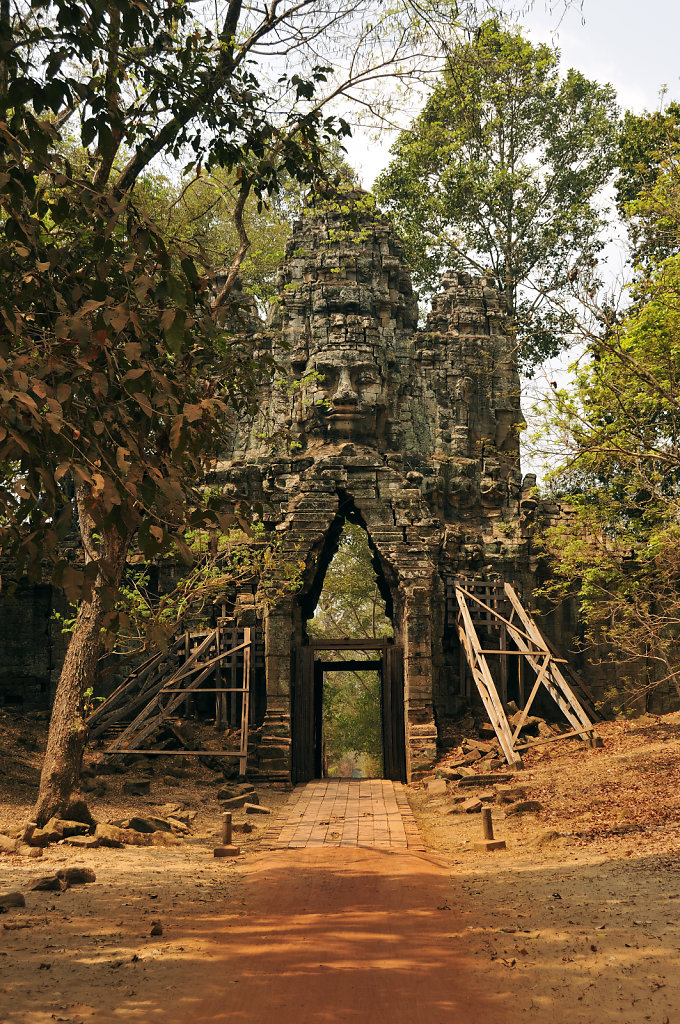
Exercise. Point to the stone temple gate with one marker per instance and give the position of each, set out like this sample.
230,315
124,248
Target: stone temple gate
412,433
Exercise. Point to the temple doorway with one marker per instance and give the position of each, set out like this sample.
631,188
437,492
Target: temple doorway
348,689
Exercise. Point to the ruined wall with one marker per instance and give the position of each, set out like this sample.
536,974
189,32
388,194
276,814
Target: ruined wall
413,433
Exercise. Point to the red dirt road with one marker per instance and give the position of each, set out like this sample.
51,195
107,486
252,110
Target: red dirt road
329,935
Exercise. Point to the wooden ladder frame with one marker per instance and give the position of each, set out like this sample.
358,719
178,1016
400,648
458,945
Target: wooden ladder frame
175,688
531,646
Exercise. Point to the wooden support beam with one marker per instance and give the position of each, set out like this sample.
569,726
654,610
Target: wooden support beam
555,739
484,679
556,684
533,649
347,644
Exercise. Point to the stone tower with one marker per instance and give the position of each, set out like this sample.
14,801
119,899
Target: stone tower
411,433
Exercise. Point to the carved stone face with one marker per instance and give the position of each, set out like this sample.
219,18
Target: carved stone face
347,398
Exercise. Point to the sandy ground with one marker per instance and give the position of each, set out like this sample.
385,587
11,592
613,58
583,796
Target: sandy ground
576,921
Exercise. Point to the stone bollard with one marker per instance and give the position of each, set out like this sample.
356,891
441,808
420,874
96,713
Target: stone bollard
227,849
488,842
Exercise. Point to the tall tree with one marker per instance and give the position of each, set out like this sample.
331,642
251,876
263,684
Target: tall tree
115,371
648,171
613,438
503,172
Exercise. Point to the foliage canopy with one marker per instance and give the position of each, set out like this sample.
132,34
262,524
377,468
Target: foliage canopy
502,173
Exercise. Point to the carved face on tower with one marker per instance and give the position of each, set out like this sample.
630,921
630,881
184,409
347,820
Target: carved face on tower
346,397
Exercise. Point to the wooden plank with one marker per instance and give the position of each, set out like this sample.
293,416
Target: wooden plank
578,681
556,739
484,679
347,644
525,710
560,690
176,753
210,689
500,617
351,666
137,727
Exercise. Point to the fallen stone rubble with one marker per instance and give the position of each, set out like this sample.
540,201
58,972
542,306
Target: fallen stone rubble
168,827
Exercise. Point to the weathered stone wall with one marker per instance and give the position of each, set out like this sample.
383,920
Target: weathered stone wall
32,644
411,432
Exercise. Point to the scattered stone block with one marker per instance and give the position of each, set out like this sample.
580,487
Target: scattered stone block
137,787
76,876
523,807
452,774
510,794
234,802
71,828
545,838
109,835
482,780
488,796
437,787
83,842
165,839
130,837
244,827
23,850
235,789
12,899
43,883
148,824
27,831
170,780
256,809
178,827
7,845
471,806
530,722
468,759
156,928
170,810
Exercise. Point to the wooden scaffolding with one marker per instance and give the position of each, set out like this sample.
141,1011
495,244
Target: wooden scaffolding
494,609
157,688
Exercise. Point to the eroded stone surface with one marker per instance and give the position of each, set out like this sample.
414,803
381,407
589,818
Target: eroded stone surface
413,433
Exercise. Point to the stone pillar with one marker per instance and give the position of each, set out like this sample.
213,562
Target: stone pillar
274,751
421,731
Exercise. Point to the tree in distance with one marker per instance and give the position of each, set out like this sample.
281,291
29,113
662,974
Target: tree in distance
502,173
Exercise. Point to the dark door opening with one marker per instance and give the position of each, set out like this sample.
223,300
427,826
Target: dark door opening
351,740
385,729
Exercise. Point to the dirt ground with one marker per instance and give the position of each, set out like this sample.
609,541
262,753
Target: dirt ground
576,921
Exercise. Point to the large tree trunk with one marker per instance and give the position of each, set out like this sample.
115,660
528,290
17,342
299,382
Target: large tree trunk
68,733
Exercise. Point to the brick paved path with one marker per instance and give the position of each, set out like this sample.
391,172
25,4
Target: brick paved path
346,812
